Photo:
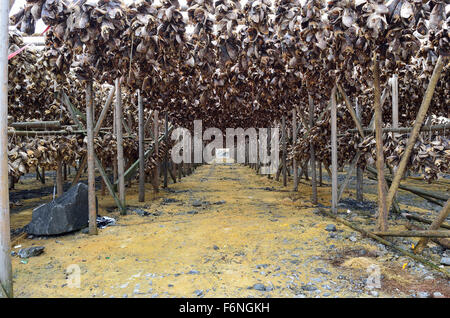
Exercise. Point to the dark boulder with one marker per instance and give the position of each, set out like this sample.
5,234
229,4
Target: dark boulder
68,213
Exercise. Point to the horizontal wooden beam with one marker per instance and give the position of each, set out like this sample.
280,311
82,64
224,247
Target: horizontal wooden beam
405,130
425,233
37,124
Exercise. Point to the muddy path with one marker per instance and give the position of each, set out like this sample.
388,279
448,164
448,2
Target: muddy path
222,232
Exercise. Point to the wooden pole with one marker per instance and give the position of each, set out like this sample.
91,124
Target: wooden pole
351,110
269,139
425,234
294,139
415,132
334,184
156,134
54,124
120,160
424,220
312,154
141,149
166,140
434,226
382,223
104,112
405,130
359,170
6,287
59,179
90,161
394,83
441,241
320,173
283,140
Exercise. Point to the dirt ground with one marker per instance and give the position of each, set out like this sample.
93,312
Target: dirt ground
222,231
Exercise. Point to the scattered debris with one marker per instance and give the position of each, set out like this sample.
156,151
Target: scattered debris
104,221
31,251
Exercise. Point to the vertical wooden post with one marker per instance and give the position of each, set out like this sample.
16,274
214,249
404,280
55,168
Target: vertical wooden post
6,287
312,153
294,139
283,140
334,185
90,161
43,176
394,83
141,149
156,134
359,170
166,139
269,142
59,179
115,168
120,161
382,223
320,173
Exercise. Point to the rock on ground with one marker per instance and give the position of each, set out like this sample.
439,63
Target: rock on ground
31,251
68,213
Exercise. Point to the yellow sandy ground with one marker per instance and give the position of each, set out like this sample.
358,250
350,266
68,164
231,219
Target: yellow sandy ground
152,256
